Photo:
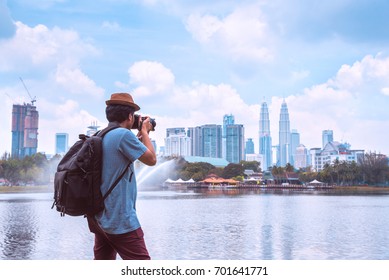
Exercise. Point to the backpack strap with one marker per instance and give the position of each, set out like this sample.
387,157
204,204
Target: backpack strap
117,181
101,133
111,126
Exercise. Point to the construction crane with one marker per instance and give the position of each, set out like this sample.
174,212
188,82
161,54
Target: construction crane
9,97
33,100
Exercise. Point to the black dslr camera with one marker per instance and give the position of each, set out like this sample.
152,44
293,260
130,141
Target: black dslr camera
138,124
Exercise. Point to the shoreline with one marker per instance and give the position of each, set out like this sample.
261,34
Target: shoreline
50,188
363,188
26,189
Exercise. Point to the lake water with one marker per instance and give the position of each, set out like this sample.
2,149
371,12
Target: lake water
222,225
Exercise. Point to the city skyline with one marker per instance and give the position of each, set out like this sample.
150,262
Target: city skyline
290,138
191,141
190,62
225,141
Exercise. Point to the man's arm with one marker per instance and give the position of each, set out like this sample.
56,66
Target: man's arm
149,157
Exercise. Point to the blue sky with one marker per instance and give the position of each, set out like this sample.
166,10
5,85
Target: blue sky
187,63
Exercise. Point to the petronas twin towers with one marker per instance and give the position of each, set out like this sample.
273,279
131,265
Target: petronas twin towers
265,141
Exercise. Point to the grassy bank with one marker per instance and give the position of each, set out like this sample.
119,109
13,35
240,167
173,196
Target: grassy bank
26,189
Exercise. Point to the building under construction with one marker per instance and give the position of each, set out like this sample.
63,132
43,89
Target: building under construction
24,130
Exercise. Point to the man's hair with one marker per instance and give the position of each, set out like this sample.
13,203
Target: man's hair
118,113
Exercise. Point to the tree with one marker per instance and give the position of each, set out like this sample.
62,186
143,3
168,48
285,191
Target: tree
30,169
197,170
251,165
336,167
217,171
277,171
327,174
355,173
233,170
289,167
11,170
374,168
307,175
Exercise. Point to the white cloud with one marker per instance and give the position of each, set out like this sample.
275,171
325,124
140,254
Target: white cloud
201,104
332,105
351,103
151,78
75,81
55,54
42,48
370,72
242,35
68,117
110,25
296,76
204,27
385,91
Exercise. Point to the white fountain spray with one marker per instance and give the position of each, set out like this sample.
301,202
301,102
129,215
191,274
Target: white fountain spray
154,176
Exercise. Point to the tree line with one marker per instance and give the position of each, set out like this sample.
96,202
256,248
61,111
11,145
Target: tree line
31,170
371,169
200,170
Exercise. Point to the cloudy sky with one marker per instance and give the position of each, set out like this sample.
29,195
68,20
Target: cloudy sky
189,62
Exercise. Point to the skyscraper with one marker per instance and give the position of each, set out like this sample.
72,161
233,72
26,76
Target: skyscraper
206,140
177,143
227,120
284,136
24,130
249,149
92,129
61,143
211,144
175,131
301,157
327,136
265,145
234,143
195,143
294,143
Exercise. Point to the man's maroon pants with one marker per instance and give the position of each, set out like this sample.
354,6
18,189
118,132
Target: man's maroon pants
129,246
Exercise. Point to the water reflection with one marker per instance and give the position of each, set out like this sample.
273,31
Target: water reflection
19,230
213,224
267,242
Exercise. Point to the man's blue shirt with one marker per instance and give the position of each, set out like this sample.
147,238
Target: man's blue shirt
120,146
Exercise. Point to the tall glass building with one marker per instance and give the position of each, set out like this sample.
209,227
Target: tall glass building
301,157
265,145
61,143
227,120
294,143
92,129
234,143
211,144
284,136
249,148
178,143
206,140
327,136
24,130
194,136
